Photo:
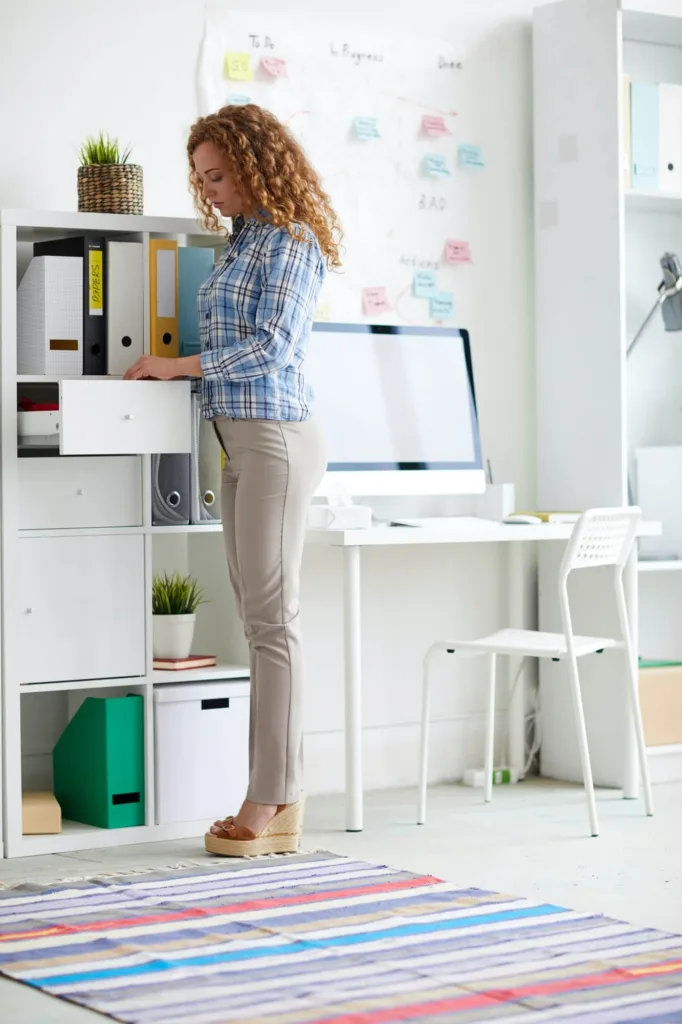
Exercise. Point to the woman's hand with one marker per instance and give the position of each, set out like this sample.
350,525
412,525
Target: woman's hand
155,367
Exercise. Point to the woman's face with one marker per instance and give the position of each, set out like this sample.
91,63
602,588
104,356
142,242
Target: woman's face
217,182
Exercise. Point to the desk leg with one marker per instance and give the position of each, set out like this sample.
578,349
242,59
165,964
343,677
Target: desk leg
353,687
516,597
630,763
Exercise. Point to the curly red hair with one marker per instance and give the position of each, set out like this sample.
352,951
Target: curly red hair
272,175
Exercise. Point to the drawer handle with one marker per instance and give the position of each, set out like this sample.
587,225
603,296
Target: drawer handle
29,611
80,492
129,416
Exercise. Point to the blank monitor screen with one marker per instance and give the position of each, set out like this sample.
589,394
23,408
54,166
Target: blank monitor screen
394,398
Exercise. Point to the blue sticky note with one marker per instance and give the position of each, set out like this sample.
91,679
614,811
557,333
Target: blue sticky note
365,128
442,306
435,166
470,156
424,284
238,99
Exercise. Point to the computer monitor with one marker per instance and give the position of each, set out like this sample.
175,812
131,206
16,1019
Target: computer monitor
398,408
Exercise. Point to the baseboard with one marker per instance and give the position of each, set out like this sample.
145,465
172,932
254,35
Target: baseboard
391,753
665,763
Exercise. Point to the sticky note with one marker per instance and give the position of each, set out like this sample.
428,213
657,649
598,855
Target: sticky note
365,128
442,306
435,166
323,312
238,99
457,252
374,300
274,66
424,284
434,125
237,66
470,156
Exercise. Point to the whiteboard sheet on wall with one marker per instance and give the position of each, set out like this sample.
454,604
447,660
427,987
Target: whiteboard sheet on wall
396,219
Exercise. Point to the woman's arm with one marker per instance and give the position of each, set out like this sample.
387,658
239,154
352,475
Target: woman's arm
290,277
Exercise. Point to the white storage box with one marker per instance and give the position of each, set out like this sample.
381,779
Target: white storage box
201,759
50,316
38,428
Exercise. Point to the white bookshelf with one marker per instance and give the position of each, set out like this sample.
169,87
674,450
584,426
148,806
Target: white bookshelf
33,713
598,246
653,202
672,565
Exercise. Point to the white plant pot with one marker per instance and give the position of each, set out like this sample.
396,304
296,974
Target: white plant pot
173,635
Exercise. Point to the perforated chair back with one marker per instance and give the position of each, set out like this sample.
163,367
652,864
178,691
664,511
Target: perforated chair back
602,536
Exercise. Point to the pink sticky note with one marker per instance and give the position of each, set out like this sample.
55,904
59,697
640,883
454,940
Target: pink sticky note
374,300
274,66
433,124
457,252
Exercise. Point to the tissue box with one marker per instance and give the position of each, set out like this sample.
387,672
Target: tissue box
339,517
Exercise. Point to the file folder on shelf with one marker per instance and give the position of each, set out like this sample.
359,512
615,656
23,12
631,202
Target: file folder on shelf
171,489
194,266
125,305
163,282
644,135
670,138
98,763
50,316
207,463
91,250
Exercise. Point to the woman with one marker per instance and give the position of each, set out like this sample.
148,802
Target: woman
256,311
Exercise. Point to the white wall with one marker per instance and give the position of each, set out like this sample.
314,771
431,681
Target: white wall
68,69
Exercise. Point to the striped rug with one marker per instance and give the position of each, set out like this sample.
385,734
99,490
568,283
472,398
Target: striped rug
324,938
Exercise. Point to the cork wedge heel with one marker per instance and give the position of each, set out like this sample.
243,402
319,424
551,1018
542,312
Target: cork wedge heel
282,834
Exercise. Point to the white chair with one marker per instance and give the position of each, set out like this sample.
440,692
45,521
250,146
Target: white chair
600,537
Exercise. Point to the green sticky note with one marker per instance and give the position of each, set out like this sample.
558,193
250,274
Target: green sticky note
442,306
470,156
424,284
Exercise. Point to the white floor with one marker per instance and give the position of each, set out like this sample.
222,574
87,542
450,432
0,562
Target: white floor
531,842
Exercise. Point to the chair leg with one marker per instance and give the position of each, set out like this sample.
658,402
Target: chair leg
636,712
490,731
424,745
582,744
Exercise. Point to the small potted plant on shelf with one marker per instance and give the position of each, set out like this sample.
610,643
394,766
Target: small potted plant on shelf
175,599
107,183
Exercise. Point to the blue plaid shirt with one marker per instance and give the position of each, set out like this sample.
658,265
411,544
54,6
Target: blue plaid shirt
255,314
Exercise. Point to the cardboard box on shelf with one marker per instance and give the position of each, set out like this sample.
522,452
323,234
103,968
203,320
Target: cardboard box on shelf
40,814
660,694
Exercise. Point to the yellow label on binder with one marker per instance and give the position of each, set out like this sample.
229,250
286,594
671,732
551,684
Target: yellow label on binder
95,283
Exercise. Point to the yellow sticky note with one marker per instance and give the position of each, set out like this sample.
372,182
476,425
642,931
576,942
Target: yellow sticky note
323,312
237,67
95,283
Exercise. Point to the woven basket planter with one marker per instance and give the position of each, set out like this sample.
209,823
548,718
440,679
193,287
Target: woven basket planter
110,188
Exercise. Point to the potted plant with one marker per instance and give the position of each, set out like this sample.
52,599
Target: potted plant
107,183
175,599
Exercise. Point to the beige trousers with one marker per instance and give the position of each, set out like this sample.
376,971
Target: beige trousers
272,470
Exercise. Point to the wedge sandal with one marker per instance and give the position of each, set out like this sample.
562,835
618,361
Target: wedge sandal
282,834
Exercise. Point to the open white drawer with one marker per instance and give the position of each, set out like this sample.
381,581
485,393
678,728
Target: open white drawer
124,417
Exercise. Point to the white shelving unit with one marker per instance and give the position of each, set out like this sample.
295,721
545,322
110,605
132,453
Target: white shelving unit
598,246
61,588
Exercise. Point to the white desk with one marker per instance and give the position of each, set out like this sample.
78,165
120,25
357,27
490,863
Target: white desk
352,542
